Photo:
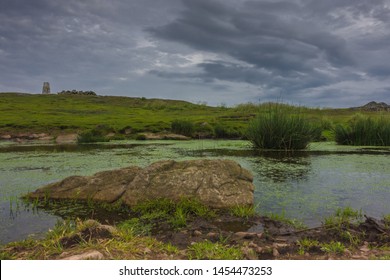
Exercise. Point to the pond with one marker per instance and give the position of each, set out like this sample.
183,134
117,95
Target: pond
307,186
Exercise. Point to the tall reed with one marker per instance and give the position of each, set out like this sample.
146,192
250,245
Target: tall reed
281,127
364,131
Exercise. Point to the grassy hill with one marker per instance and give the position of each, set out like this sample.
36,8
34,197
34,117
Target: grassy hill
54,114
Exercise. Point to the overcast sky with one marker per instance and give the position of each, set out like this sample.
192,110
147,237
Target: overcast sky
326,53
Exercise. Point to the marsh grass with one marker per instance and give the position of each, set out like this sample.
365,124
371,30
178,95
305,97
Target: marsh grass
243,211
207,250
98,134
364,131
333,247
341,222
306,244
176,213
183,127
125,243
342,218
282,128
282,218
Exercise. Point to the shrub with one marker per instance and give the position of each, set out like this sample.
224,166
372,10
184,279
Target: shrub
182,127
203,130
140,137
364,131
224,132
281,127
98,134
91,136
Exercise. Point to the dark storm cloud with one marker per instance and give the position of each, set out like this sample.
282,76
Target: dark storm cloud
75,43
237,50
286,45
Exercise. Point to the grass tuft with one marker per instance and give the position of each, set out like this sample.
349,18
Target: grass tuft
281,128
207,250
364,131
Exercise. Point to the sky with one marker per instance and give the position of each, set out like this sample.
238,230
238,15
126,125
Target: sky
333,53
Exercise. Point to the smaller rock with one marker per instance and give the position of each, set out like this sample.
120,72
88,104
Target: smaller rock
147,251
252,244
259,249
5,137
67,138
248,253
90,255
197,233
212,234
275,252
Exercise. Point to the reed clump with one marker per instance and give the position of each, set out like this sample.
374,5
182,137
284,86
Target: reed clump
282,127
364,131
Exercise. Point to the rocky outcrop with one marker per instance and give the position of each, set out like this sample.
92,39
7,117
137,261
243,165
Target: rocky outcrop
164,136
67,138
374,106
21,137
77,92
215,183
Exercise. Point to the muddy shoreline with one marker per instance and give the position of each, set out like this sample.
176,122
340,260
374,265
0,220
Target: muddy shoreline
253,238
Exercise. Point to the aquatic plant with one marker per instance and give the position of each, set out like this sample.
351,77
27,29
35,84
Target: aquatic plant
364,131
281,128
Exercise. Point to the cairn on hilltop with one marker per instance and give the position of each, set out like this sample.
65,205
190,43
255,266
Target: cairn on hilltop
46,88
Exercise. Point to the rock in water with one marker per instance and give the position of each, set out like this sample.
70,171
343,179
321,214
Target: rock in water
215,183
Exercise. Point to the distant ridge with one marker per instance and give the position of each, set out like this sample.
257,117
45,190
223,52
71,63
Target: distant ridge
373,106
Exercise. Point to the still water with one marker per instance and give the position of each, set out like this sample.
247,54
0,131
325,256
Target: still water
307,186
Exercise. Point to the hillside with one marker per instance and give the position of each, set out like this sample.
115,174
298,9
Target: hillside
49,113
56,114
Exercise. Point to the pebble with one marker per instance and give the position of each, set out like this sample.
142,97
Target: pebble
91,255
275,252
212,234
197,233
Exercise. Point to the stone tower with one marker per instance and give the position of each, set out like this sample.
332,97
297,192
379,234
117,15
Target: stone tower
46,88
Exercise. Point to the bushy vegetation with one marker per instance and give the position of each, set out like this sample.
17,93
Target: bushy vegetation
364,131
281,128
183,127
98,134
224,132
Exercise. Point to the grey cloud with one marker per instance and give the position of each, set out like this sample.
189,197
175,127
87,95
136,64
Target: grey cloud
258,35
240,49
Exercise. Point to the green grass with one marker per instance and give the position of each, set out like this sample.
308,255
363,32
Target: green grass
333,247
176,213
343,217
67,113
364,130
282,218
207,250
56,114
282,128
243,211
306,244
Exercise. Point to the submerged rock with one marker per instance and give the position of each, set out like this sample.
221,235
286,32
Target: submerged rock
215,183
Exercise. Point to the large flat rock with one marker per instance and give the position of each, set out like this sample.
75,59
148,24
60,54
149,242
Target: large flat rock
215,183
